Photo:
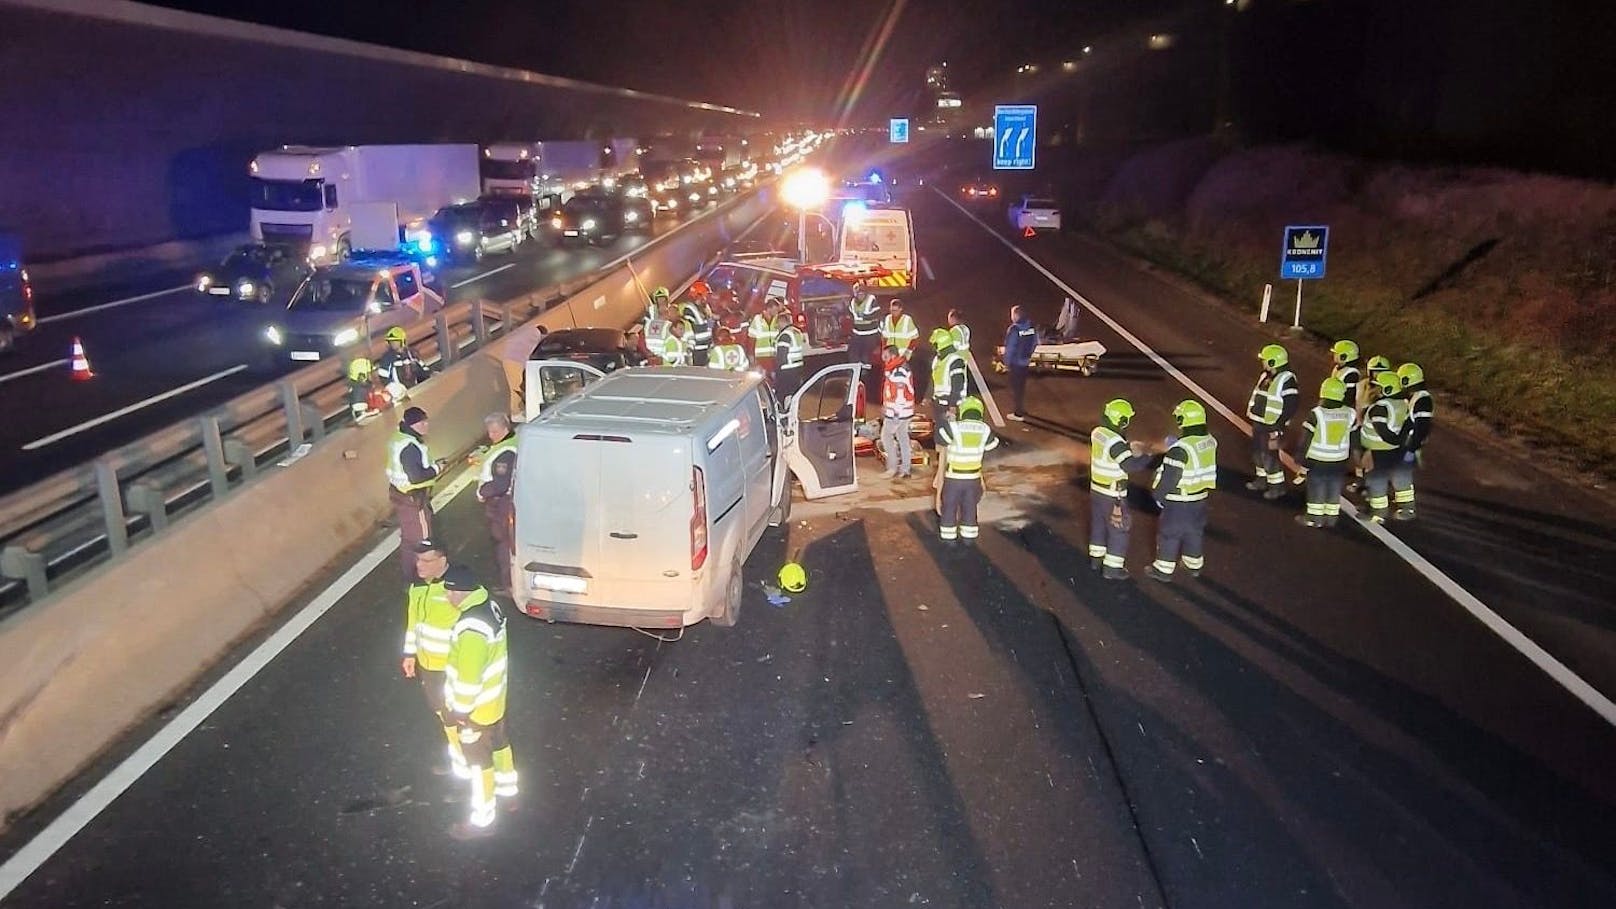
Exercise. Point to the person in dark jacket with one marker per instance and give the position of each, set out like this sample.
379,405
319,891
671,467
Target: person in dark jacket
411,474
1019,342
495,484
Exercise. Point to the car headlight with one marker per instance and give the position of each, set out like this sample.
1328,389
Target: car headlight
695,197
204,282
555,223
273,335
246,289
631,216
465,238
318,251
589,224
345,337
673,203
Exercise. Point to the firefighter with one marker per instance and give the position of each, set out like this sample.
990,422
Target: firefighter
411,473
1381,436
790,350
660,298
1111,458
428,620
400,369
967,439
947,375
495,483
675,349
898,330
960,331
866,336
699,317
1184,481
1367,394
360,383
764,330
475,688
1272,405
1421,417
727,355
655,334
897,412
1348,368
1324,449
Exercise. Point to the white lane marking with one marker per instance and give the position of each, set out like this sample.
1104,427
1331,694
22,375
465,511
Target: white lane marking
78,815
46,320
475,278
925,269
1514,637
33,369
138,405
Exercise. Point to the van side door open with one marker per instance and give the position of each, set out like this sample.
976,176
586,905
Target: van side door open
545,382
818,433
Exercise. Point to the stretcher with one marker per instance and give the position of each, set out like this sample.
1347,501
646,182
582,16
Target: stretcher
1055,355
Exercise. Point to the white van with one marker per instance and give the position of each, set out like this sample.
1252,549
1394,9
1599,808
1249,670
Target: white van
640,493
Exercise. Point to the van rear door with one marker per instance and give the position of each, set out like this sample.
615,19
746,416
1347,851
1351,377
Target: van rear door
545,382
819,431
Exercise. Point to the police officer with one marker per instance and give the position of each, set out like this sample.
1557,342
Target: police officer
495,484
866,336
1381,438
1184,481
675,349
699,317
727,355
790,351
947,375
1421,418
1325,449
898,329
1020,340
1111,458
967,439
398,366
764,331
411,473
1272,405
475,678
429,619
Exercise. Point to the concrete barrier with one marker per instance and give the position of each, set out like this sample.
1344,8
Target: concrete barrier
83,666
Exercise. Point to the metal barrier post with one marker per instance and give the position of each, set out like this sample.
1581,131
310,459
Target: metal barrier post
106,484
17,562
213,447
479,322
505,318
148,499
315,421
446,348
294,413
237,453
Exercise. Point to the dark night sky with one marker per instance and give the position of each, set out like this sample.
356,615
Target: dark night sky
782,57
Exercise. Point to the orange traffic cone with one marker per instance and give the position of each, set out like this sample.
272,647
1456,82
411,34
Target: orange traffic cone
1029,232
81,363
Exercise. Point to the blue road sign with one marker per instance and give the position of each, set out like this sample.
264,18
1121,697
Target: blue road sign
1302,258
1015,136
898,129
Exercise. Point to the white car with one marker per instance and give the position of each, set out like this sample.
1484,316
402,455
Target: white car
1035,213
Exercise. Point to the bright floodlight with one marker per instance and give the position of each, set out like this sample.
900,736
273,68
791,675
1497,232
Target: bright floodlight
805,189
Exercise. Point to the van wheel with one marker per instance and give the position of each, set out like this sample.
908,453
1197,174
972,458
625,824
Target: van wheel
781,515
734,589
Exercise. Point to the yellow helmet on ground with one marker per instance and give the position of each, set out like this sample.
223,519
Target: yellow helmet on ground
1118,413
1273,356
1333,389
941,338
971,406
1189,413
793,578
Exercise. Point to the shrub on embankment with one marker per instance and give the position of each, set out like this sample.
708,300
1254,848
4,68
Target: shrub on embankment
1502,285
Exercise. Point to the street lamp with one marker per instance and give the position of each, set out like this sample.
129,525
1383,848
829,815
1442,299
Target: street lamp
805,189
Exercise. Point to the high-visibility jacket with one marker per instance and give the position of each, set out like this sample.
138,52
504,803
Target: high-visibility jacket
498,470
1330,433
701,327
475,674
429,620
397,476
899,332
1421,416
866,317
1108,452
948,377
763,332
898,394
1267,406
675,351
1350,375
1382,428
1190,469
967,441
962,337
656,331
790,347
731,357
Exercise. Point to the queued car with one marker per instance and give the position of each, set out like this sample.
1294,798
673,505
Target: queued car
470,230
979,191
591,217
254,273
339,306
16,294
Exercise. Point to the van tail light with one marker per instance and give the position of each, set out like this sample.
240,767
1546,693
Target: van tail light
698,519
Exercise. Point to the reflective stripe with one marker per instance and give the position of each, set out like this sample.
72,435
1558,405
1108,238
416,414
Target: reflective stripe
1268,400
1421,406
1198,468
492,455
968,441
397,477
1332,433
1105,472
701,328
731,357
1391,411
898,394
900,333
962,336
656,331
941,368
796,345
675,352
763,332
866,319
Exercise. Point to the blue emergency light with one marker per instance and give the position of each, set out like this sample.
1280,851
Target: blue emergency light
854,210
875,176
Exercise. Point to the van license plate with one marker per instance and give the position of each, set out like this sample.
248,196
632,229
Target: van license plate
306,355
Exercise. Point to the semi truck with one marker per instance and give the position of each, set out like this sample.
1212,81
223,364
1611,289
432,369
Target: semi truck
510,169
720,152
308,196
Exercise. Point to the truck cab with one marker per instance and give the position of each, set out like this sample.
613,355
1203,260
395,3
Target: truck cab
296,200
16,294
339,307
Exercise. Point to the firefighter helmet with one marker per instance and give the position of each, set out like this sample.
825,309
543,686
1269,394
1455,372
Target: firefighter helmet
1333,389
1410,374
396,335
1273,356
1345,351
793,578
1118,413
1189,413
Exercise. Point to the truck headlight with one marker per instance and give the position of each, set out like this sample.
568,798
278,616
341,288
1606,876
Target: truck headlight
345,337
203,283
273,335
465,238
246,289
318,251
631,216
589,224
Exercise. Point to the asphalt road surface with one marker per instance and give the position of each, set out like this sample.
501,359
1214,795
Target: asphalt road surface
1314,722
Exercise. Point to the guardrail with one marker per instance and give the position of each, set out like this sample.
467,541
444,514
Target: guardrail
70,523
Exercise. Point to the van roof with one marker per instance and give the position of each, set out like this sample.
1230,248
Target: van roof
652,399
